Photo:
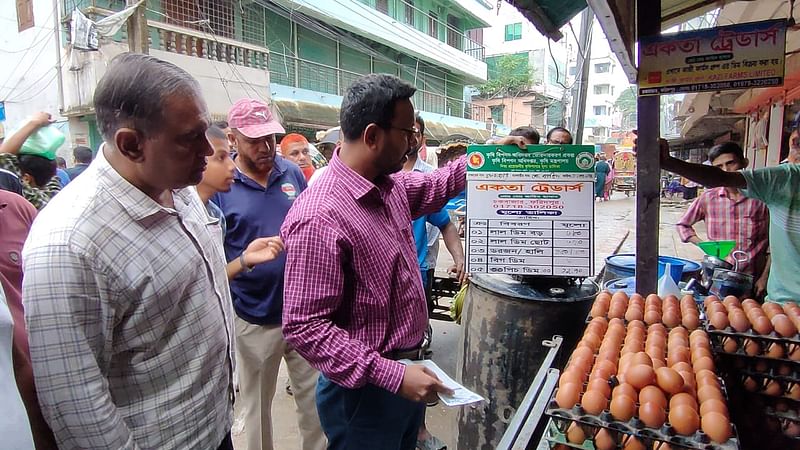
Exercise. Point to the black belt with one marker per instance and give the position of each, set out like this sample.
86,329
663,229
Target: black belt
414,354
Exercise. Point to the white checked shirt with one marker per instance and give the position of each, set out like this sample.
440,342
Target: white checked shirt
129,316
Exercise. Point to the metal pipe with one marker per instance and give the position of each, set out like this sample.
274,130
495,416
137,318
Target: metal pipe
582,83
648,164
59,74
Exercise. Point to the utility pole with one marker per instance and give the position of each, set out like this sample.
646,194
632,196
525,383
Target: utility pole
582,82
138,34
57,35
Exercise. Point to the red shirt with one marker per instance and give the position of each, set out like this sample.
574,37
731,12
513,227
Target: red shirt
16,217
745,221
353,290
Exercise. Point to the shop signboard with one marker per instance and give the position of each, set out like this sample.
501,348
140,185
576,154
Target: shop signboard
530,212
738,56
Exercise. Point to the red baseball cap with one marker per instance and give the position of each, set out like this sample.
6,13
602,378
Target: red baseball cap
253,119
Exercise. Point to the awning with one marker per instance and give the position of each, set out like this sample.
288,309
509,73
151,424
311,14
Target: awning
548,16
437,131
306,114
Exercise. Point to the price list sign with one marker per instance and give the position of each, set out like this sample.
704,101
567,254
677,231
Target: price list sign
530,212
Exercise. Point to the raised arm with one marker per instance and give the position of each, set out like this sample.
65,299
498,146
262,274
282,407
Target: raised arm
699,173
70,330
13,143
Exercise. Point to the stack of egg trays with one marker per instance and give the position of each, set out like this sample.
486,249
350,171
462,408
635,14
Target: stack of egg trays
651,437
764,341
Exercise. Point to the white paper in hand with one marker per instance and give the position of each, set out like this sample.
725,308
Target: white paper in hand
461,395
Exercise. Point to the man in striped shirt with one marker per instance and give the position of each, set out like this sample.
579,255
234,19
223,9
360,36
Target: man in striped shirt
779,188
729,215
353,298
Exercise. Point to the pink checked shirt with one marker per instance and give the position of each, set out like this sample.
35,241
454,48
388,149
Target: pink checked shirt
745,221
353,289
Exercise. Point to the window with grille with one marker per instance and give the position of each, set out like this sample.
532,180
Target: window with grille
513,31
497,113
602,68
601,89
408,7
600,110
211,16
382,6
433,25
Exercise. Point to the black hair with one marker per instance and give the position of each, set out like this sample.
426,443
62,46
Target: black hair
38,167
222,124
216,132
61,162
371,99
557,129
133,90
528,133
418,118
82,155
726,148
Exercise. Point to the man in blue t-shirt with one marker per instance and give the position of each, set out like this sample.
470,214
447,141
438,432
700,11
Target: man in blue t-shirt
264,188
779,188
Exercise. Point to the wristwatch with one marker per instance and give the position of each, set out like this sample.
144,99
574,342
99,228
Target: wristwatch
245,267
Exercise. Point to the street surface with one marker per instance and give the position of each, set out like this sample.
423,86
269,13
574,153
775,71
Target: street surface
615,228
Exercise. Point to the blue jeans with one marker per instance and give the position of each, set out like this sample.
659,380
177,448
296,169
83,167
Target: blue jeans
367,418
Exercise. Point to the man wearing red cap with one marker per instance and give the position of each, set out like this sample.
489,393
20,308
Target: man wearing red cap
265,187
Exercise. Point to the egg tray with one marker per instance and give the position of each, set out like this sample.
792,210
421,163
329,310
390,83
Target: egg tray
764,342
763,339
634,427
768,407
557,439
759,367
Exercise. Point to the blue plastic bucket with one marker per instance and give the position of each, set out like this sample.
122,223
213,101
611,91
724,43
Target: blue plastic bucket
623,265
675,269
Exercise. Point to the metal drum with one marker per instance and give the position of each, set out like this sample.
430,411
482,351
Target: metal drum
500,349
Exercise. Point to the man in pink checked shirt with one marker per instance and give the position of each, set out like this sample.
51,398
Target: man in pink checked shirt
353,298
729,215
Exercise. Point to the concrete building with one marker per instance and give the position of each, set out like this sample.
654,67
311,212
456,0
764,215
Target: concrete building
606,82
545,103
300,55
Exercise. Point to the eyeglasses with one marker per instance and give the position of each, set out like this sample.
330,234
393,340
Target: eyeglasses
412,130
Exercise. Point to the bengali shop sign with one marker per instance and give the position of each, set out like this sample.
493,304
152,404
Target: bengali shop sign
530,212
739,56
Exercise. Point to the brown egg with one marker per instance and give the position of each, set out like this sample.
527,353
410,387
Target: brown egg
684,419
594,402
704,362
682,399
751,347
669,380
783,325
708,392
652,415
652,394
678,355
698,336
794,392
729,345
719,320
642,358
776,351
706,377
749,303
575,434
771,309
794,355
634,444
716,426
604,441
571,376
634,313
773,388
691,321
568,395
750,384
652,317
671,319
682,366
713,406
622,407
640,375
738,321
689,383
625,389
599,385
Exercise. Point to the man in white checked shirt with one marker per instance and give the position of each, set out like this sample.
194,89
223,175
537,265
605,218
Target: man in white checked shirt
127,301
